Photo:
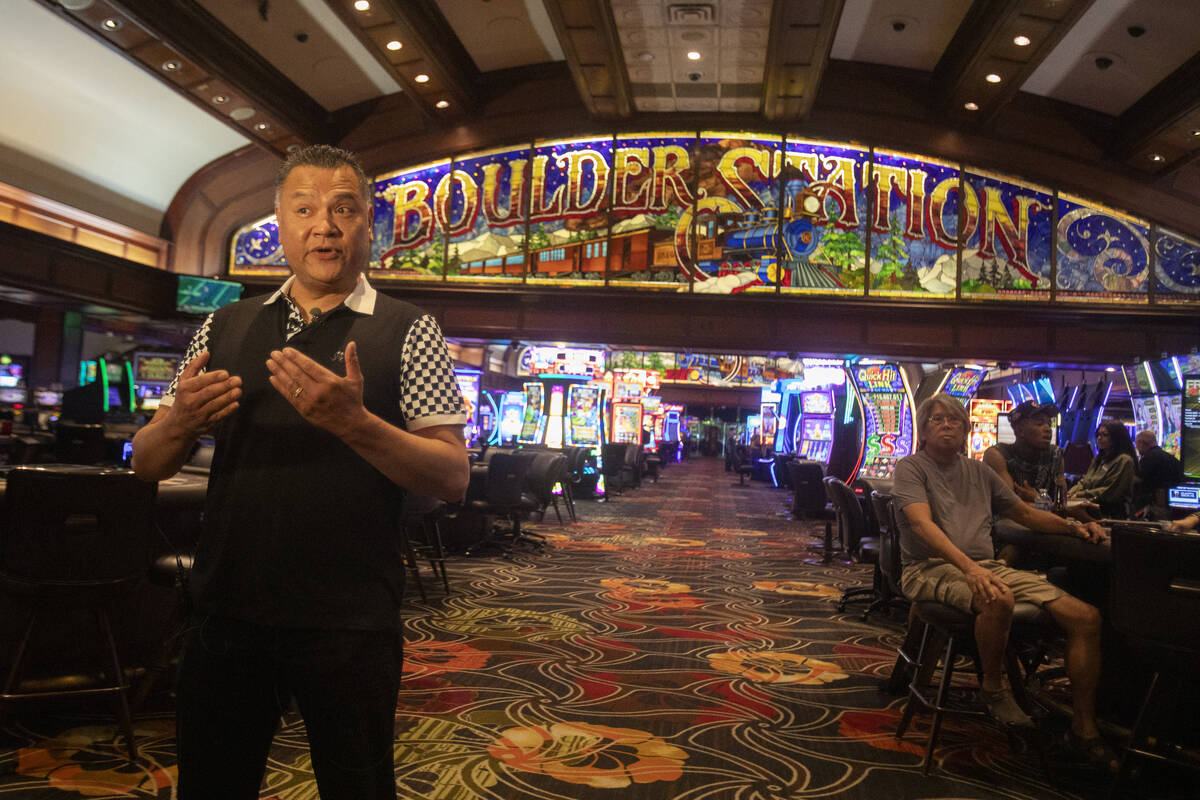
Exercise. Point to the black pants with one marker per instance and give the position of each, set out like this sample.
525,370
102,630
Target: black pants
235,680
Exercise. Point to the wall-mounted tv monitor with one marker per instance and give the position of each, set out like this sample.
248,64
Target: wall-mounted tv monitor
196,295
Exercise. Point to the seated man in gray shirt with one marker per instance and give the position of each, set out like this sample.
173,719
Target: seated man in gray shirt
948,501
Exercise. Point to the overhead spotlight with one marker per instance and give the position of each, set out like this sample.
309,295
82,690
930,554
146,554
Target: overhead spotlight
1103,62
174,65
111,24
262,126
1194,132
1157,158
1021,40
971,106
220,99
393,45
422,78
362,5
992,77
693,55
442,104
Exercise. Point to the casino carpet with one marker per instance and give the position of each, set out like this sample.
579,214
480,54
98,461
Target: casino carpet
680,642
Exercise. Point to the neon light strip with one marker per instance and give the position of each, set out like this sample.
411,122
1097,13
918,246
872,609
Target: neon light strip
1158,417
103,368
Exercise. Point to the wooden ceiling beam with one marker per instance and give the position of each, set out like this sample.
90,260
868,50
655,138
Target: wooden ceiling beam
984,44
429,47
187,28
1172,100
588,35
802,33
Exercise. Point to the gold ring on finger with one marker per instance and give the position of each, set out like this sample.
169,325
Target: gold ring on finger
296,392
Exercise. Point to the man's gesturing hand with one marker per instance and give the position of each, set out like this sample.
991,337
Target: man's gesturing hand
201,401
321,397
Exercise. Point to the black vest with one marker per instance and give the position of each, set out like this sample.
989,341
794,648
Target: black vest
299,530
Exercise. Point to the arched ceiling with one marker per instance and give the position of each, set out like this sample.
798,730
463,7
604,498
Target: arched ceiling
124,99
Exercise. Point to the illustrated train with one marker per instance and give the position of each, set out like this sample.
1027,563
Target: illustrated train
734,240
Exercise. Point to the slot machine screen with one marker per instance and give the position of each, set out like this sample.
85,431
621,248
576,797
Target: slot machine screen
155,367
818,430
47,397
1191,425
816,403
10,395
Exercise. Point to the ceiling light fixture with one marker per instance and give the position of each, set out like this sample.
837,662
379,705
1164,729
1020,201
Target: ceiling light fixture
971,106
1156,158
422,78
442,104
174,65
111,24
393,45
221,99
693,55
1021,40
1195,132
992,77
262,126
362,5
241,113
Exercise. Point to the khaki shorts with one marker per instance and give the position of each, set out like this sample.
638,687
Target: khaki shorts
938,581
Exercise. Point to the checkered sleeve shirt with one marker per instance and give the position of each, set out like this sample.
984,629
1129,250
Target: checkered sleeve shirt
429,393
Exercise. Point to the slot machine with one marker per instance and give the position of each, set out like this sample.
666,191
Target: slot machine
813,432
468,385
888,417
533,420
152,376
512,415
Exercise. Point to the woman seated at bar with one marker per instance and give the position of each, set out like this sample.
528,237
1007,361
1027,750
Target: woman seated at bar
1108,482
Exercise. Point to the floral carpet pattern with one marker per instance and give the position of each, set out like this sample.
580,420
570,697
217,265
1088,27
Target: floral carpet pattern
680,642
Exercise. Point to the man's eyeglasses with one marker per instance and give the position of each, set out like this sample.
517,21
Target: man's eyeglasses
940,419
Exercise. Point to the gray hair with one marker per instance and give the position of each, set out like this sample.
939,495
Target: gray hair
945,403
324,156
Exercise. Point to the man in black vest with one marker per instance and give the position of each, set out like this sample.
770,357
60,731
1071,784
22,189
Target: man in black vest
327,402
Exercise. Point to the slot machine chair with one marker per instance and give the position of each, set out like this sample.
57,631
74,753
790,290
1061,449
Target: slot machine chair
505,496
1156,607
73,541
855,534
78,443
888,564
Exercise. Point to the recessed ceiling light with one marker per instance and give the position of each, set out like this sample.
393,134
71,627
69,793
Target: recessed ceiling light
992,77
174,65
422,78
646,56
1156,158
75,5
241,113
393,45
1022,40
971,106
693,55
262,126
221,99
1195,132
362,5
442,104
111,24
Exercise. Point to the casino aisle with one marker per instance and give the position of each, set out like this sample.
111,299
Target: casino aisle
679,642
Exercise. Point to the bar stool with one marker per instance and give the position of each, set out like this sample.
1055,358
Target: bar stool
76,539
956,628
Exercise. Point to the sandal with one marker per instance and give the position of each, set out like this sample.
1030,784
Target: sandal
1095,751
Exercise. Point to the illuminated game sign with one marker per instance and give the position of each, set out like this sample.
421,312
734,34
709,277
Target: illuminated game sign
566,361
888,432
583,426
531,420
963,382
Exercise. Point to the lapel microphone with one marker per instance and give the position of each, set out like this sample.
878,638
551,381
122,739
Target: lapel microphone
315,313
